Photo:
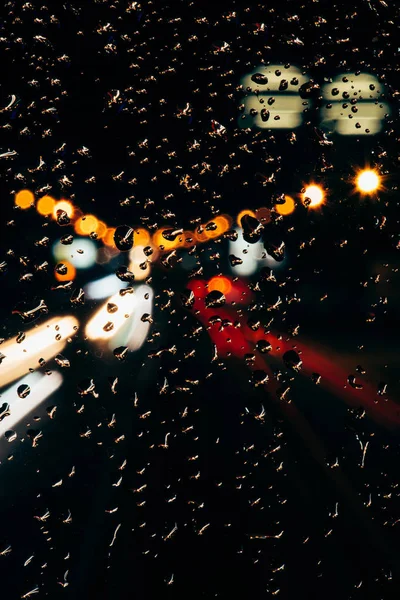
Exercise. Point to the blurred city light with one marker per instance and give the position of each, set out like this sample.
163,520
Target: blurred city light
287,207
368,181
41,387
242,214
140,320
274,102
221,284
24,199
252,256
42,342
65,206
69,275
45,205
111,316
353,106
139,263
141,237
104,287
86,225
81,253
313,196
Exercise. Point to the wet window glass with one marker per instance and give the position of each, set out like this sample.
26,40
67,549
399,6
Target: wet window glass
199,265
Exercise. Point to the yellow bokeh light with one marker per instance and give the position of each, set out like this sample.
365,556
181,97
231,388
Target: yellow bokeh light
315,194
368,181
65,206
24,199
242,214
287,208
45,205
86,225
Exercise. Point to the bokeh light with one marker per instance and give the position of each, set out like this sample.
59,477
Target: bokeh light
368,181
287,207
65,206
161,243
108,237
24,199
141,237
86,225
45,205
221,284
313,196
263,214
69,275
81,254
244,213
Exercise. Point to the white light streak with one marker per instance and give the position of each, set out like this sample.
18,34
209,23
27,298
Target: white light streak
42,386
44,341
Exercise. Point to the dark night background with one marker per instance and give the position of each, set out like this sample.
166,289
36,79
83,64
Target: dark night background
161,56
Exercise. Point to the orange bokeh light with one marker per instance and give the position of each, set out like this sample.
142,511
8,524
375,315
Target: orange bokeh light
101,229
243,213
287,208
141,237
108,237
24,199
161,243
221,284
189,240
86,225
222,223
69,275
45,205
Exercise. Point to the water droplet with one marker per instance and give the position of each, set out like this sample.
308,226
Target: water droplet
123,238
10,435
292,360
215,299
23,390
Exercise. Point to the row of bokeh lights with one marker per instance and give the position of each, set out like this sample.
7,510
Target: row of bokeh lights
367,181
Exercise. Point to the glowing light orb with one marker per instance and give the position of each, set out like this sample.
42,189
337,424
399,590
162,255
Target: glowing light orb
24,199
221,284
368,181
314,194
287,208
65,206
45,205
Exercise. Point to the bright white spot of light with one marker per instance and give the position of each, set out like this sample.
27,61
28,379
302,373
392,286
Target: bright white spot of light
81,253
315,194
368,181
253,258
